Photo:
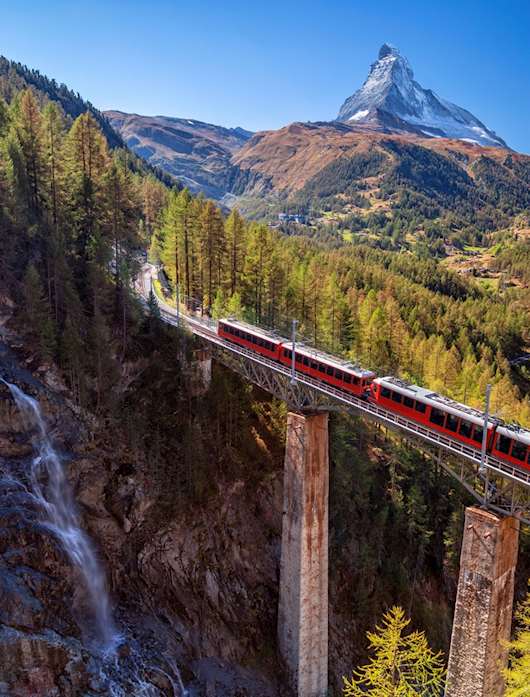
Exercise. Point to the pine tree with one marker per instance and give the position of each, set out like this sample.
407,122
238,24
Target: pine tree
403,665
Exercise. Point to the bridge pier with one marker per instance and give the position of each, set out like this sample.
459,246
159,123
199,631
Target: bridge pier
303,604
483,610
199,370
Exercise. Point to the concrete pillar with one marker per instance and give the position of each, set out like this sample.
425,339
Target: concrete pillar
199,371
483,610
303,606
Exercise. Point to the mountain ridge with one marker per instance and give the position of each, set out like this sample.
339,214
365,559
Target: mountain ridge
195,152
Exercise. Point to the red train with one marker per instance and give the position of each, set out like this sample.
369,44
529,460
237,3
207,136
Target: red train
509,443
316,364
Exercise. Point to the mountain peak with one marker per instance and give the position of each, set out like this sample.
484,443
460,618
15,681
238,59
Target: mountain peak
391,100
388,50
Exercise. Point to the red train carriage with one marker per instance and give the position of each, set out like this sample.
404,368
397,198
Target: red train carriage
433,410
334,371
512,444
263,342
508,443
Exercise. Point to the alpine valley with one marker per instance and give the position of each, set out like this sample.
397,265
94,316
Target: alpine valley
142,495
399,165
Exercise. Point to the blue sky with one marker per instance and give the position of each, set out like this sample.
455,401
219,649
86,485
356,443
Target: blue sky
265,64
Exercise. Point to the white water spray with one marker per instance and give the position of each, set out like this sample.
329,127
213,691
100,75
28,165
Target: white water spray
51,493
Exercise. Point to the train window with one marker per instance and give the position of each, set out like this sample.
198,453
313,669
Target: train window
385,392
314,365
477,434
339,375
397,397
519,451
465,428
347,378
503,444
329,370
451,423
356,380
421,407
437,417
408,402
306,360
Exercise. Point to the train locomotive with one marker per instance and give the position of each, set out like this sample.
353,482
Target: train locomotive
506,442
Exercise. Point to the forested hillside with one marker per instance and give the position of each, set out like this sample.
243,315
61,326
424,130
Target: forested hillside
15,77
78,218
392,312
397,190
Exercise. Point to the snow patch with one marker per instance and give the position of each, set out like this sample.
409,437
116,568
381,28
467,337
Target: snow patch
359,115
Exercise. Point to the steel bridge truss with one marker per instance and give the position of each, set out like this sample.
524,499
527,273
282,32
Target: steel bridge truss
495,484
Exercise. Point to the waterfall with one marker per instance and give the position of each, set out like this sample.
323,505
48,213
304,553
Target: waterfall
45,485
51,493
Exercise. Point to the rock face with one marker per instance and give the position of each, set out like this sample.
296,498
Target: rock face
193,587
198,154
391,100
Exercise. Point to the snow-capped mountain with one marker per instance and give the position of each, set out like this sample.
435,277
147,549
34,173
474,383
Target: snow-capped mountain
390,99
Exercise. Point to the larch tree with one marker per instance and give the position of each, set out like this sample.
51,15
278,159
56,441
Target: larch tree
29,133
235,242
402,664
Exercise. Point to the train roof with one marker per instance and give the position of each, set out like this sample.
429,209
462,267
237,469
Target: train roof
437,400
339,363
251,329
516,432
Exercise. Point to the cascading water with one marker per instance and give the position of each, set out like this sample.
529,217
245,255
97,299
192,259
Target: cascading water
45,487
51,494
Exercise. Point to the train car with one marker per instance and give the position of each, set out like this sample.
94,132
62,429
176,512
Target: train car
263,342
433,410
321,366
512,444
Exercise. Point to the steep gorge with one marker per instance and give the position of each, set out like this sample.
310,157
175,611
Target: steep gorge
189,535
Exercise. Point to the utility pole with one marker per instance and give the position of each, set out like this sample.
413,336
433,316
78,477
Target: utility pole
482,468
293,363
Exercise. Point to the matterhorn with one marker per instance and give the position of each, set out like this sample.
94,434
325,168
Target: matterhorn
392,101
